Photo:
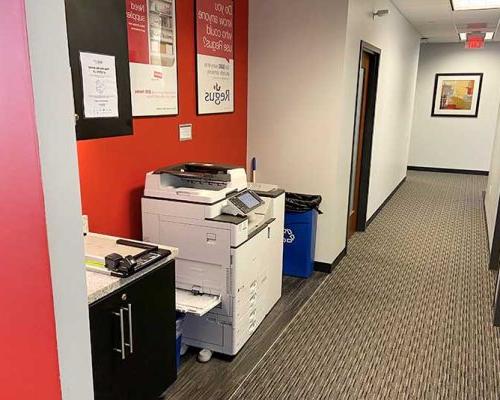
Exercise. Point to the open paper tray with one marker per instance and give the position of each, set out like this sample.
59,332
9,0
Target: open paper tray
190,303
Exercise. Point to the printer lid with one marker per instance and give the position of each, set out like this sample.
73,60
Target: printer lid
200,171
195,182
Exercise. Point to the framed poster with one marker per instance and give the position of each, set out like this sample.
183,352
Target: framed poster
152,42
215,56
457,95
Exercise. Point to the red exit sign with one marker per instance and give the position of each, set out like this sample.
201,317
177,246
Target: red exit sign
474,42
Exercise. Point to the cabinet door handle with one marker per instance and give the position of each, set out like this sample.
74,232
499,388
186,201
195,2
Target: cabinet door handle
122,334
130,330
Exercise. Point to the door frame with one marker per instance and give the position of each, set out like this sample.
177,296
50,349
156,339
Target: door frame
495,248
366,153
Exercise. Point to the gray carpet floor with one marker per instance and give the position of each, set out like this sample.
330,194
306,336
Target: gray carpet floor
406,315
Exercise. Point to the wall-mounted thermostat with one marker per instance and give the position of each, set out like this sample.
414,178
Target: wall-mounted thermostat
185,132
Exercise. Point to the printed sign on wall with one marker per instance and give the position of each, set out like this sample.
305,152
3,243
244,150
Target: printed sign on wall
153,57
100,92
215,56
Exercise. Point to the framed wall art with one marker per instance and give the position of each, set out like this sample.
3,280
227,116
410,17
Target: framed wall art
457,95
215,56
152,42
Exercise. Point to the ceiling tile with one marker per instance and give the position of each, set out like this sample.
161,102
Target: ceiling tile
435,20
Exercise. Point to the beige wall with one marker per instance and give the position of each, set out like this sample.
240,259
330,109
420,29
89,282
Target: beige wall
470,138
493,188
296,52
303,63
53,99
400,45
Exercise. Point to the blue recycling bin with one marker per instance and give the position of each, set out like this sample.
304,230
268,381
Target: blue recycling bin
179,322
299,243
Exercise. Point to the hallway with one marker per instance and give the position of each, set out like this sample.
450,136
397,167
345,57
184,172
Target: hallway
406,315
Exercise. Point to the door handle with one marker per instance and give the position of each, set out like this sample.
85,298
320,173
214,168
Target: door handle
122,335
130,343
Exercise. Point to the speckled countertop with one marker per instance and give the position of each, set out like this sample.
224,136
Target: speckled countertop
100,285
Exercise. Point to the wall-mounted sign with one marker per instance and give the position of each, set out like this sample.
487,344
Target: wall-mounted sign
185,132
100,91
457,95
215,56
475,41
100,69
153,57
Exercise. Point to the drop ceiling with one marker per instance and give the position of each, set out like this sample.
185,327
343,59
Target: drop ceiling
436,21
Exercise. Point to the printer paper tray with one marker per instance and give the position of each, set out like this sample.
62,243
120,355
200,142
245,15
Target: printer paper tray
190,303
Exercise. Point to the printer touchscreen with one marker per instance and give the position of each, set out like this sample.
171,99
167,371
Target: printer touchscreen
242,203
249,200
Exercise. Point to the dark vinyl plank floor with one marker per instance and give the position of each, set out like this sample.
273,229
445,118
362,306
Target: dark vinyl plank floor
219,378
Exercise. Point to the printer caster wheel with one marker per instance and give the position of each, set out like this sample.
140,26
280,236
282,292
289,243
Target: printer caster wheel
205,355
184,349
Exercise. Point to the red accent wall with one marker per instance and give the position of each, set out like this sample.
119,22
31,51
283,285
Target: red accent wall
112,170
28,348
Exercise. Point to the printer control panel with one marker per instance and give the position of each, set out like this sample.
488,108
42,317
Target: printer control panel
243,203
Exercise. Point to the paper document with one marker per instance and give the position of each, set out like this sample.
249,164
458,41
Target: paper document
100,91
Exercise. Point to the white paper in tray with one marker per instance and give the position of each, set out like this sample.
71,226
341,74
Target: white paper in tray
189,303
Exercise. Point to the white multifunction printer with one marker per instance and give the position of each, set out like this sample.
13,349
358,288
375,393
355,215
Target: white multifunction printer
230,239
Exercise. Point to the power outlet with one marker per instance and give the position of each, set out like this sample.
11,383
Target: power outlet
85,224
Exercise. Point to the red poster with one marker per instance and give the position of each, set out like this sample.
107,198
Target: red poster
138,35
215,28
215,55
153,56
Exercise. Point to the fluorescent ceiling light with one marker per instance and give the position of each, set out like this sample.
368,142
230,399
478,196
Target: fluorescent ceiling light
459,5
487,35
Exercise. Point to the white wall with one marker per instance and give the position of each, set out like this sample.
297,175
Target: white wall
400,45
296,52
493,188
53,96
456,143
303,64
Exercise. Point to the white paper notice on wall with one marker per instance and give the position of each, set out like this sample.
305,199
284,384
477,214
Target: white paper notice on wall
100,91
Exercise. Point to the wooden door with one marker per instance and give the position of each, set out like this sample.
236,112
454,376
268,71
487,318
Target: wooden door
358,143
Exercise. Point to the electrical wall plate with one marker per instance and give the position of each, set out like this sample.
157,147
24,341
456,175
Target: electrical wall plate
85,224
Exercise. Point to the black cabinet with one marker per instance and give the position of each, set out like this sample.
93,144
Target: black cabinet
133,338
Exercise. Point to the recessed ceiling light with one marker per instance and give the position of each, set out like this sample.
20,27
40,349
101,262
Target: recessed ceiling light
489,35
463,36
459,5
